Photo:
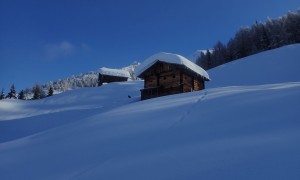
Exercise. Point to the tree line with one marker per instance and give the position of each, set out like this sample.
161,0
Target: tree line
261,36
45,90
40,91
36,91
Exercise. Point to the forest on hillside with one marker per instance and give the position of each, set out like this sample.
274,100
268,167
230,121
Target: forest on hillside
261,36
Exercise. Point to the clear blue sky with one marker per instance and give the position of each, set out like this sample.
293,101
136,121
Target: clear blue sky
46,40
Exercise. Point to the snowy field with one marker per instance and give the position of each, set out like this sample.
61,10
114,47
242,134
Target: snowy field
245,125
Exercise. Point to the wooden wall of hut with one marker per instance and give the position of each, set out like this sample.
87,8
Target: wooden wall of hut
165,79
108,79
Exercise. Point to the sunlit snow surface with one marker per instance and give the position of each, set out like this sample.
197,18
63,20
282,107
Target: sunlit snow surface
236,131
114,72
170,58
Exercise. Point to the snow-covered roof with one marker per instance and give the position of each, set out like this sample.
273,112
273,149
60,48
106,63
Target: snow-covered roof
114,72
172,59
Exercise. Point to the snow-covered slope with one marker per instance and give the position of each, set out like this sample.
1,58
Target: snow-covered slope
274,66
22,118
236,132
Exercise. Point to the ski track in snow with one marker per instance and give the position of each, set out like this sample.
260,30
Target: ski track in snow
189,109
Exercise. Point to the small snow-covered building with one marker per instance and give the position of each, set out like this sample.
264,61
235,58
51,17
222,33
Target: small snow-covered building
107,75
166,73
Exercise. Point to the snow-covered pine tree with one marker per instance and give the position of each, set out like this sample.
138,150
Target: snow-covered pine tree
230,50
292,26
265,40
50,92
21,95
208,59
12,93
277,32
202,61
37,92
220,53
2,95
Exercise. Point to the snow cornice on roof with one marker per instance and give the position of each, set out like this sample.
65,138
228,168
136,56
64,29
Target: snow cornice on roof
172,59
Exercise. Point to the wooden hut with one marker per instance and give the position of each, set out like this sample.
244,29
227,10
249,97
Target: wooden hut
107,75
166,73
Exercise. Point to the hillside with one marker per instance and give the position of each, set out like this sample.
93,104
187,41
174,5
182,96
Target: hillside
274,66
88,79
231,130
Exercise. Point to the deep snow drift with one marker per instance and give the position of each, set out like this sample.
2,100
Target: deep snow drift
235,132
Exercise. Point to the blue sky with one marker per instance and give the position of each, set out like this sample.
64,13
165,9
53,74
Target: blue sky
44,40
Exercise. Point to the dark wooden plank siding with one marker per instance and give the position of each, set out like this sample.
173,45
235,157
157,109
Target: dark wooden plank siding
165,79
198,84
170,79
108,79
150,81
187,83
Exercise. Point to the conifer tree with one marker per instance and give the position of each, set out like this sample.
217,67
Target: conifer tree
265,41
2,95
12,93
202,61
21,95
208,59
37,92
50,92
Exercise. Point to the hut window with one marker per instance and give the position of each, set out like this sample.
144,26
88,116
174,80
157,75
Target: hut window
174,76
165,78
